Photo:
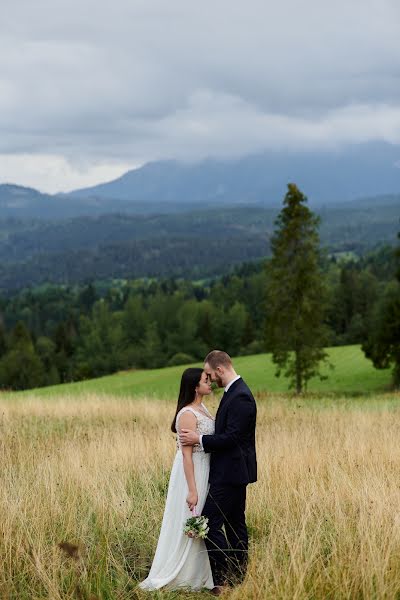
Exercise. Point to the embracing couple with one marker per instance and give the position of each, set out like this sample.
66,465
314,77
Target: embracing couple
215,460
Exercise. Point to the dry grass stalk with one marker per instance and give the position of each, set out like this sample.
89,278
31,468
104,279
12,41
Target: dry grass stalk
324,516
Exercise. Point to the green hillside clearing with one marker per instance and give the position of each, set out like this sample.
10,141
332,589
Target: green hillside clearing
352,374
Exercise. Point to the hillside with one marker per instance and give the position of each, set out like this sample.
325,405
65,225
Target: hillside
18,202
193,244
352,374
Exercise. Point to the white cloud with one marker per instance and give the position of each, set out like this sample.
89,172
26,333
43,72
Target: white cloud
45,172
88,87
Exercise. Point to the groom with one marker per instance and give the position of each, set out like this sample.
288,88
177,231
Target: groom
233,465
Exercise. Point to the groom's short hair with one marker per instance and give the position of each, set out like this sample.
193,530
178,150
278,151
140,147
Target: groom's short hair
218,358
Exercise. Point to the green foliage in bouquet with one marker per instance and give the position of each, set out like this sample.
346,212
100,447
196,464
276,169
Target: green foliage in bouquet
196,527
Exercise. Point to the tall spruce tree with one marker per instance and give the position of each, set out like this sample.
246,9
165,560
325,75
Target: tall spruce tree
296,293
20,366
383,343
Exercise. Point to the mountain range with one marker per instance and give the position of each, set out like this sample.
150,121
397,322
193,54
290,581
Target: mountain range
194,220
169,186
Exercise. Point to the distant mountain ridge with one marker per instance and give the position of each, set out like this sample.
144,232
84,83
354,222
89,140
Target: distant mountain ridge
359,171
170,186
18,202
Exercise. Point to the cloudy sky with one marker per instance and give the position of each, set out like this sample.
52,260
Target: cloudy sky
89,89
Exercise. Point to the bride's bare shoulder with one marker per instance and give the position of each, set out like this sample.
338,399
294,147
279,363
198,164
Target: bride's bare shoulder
186,419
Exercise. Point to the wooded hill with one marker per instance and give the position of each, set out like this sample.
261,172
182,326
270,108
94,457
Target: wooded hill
194,244
58,334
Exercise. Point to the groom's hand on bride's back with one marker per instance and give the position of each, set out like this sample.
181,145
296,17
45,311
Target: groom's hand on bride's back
187,437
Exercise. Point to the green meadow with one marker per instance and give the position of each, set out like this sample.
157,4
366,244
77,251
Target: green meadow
351,374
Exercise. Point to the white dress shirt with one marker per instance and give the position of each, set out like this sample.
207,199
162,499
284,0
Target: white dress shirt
228,385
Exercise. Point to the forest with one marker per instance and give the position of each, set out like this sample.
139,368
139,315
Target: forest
192,244
61,333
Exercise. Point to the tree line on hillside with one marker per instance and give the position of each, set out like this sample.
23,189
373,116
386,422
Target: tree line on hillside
193,244
185,256
293,305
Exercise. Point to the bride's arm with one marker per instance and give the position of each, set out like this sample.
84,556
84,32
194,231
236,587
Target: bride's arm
239,422
188,421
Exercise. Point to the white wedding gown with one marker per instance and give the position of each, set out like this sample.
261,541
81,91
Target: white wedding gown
180,561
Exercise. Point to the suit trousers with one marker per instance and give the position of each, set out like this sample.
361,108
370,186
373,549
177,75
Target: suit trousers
227,542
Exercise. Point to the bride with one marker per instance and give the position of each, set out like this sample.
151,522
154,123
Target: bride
181,561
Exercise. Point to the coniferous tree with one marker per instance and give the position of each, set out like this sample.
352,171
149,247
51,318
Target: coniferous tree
152,355
87,297
383,344
45,349
296,293
20,366
3,345
65,342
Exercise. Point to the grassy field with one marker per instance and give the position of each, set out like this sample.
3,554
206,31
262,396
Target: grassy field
83,482
85,468
352,374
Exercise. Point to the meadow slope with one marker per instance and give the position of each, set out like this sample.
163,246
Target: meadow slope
352,374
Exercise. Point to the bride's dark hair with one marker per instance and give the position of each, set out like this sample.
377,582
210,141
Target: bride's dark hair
190,380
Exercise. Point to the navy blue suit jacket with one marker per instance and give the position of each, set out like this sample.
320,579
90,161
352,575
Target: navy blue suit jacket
233,446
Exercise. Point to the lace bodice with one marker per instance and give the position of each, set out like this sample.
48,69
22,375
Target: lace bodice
205,424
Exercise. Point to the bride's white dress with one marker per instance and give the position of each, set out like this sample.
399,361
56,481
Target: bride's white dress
181,561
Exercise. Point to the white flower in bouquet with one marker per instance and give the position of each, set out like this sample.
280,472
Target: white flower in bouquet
196,527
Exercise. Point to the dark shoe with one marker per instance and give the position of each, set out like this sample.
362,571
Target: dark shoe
218,590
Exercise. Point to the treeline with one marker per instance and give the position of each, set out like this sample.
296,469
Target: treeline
188,257
59,334
192,244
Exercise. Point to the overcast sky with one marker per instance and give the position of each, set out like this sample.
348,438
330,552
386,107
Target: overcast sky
89,89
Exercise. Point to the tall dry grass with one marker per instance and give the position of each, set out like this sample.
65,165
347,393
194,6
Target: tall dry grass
82,487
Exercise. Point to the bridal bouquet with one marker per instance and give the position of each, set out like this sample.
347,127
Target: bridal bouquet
196,527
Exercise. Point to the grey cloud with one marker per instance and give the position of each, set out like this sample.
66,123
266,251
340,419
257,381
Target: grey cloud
141,80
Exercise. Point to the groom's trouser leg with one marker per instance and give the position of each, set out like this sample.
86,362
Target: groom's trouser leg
216,542
236,532
225,506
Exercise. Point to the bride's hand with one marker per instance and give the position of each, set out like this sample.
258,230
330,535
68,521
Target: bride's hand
192,500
